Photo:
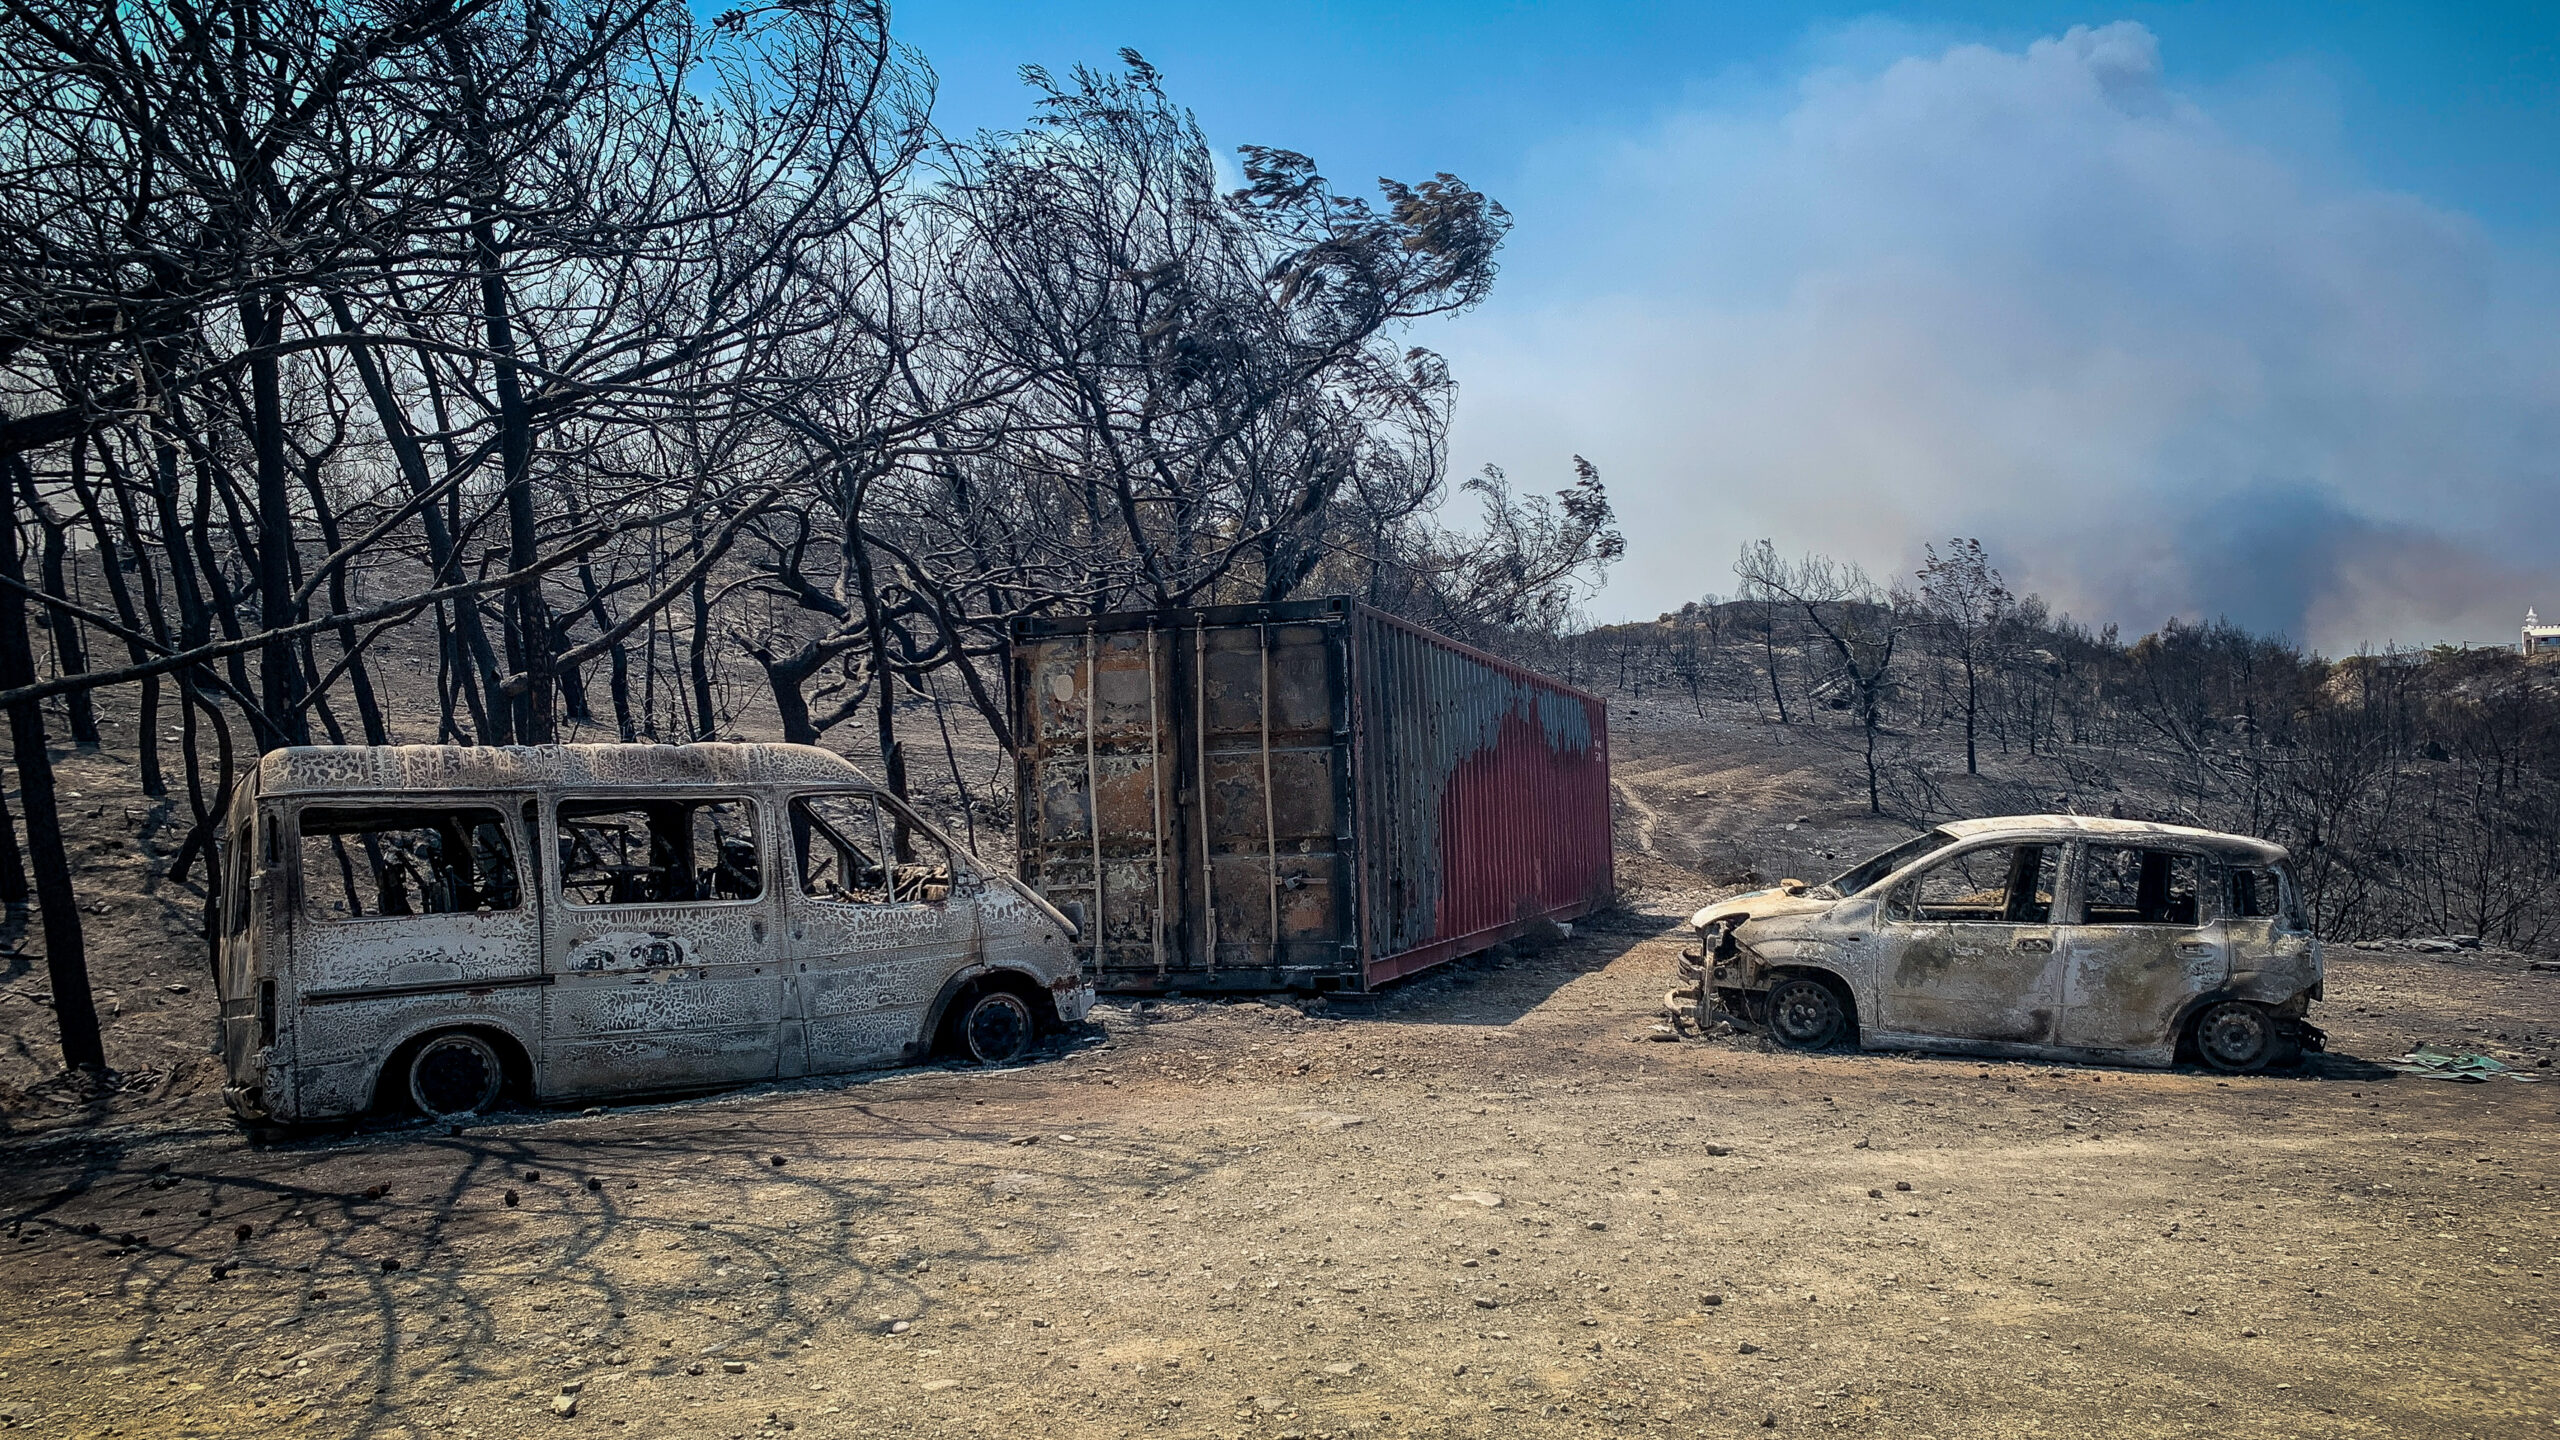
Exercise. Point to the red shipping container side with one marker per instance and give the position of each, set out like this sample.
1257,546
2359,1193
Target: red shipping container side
1313,796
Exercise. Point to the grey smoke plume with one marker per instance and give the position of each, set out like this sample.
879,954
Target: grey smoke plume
2046,298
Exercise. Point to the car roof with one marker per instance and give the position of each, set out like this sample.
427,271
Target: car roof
2100,827
338,769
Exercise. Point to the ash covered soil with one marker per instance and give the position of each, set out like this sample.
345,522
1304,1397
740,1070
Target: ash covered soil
1489,1203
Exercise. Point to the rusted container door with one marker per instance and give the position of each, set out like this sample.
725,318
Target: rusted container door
1484,797
1185,783
1270,742
1304,796
1092,791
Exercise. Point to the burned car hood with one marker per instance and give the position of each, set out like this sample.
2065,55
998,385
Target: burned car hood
1770,904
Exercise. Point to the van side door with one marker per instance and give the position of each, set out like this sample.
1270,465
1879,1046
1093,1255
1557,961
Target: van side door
881,914
409,910
663,951
2142,942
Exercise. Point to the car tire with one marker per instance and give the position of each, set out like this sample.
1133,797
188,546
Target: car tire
997,1028
2237,1037
456,1074
1806,1014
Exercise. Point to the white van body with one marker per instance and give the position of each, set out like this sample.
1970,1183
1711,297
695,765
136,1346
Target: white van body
601,920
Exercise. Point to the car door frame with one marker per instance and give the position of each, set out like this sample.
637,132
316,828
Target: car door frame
2148,972
1918,957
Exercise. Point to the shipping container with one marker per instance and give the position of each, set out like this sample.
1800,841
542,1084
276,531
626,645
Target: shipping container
1306,796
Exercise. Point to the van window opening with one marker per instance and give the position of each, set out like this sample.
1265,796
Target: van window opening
843,843
235,880
375,861
659,852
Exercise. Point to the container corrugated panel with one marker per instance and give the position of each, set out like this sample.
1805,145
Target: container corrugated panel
1303,796
1484,797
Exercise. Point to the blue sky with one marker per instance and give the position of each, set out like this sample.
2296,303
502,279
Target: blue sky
2182,308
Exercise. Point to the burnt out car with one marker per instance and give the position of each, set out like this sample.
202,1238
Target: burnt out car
2055,937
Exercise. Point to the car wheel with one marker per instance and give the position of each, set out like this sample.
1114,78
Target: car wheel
2237,1037
997,1028
456,1074
1805,1014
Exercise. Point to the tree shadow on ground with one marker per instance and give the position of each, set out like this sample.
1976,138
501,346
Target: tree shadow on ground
368,1282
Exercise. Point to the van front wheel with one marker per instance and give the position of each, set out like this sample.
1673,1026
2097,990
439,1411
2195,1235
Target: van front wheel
456,1074
998,1028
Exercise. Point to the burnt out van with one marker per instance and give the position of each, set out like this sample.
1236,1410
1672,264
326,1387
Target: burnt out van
444,928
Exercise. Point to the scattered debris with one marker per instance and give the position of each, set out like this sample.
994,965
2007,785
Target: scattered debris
2423,944
2467,1066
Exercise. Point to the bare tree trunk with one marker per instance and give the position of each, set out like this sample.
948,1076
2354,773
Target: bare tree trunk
113,554
706,723
893,761
368,708
1769,652
279,668
65,956
528,620
618,681
470,634
1972,764
13,866
1875,799
70,654
785,676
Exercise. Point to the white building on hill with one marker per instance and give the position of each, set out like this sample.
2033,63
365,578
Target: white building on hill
2539,638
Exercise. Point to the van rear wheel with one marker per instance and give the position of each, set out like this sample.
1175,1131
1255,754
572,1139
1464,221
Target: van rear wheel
456,1074
998,1028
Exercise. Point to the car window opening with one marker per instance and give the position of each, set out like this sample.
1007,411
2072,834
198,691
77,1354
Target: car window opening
2123,885
2252,894
659,852
2004,884
362,863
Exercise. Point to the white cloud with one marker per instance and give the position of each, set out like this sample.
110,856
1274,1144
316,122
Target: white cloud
2045,298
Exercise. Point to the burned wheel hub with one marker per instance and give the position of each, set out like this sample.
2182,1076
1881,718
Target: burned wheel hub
997,1028
1806,1014
2237,1036
456,1075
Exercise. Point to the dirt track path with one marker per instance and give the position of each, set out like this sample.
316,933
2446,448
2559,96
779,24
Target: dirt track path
1267,1224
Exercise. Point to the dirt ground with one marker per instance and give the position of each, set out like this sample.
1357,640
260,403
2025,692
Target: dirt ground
1492,1202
